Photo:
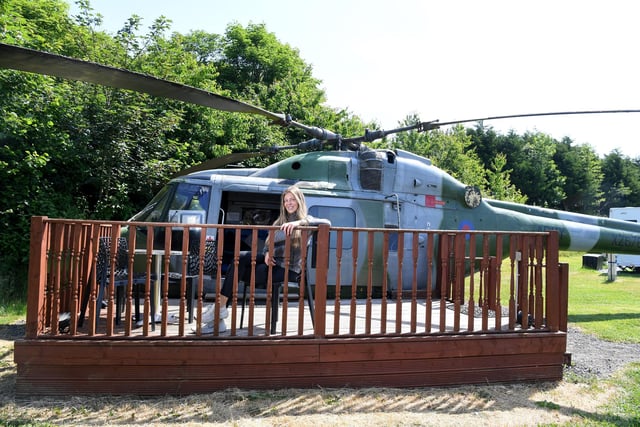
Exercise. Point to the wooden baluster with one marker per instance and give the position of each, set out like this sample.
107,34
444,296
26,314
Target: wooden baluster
86,266
304,238
458,279
200,292
184,269
524,282
513,255
163,280
414,280
385,284
130,268
444,279
370,259
532,280
76,276
486,282
270,294
429,260
147,286
285,288
354,282
93,285
338,288
498,280
539,304
399,287
472,271
65,272
252,281
53,294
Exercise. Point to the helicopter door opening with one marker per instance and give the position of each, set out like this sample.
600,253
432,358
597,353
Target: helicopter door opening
243,208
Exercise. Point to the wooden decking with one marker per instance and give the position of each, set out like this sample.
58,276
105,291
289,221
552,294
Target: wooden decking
417,337
397,321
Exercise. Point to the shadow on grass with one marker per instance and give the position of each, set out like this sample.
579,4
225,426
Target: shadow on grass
600,317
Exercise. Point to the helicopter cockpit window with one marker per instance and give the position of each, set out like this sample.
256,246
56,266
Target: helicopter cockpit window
155,208
183,202
189,204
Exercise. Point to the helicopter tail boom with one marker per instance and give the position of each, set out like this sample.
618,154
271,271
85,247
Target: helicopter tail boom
578,232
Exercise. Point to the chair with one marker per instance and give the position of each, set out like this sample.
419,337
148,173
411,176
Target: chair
121,278
276,295
275,301
278,289
193,270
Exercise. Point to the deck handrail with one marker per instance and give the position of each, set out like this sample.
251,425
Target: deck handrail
387,282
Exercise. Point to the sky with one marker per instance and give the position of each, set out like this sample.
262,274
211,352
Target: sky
448,59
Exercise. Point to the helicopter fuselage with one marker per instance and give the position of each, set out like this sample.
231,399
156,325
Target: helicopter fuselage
391,189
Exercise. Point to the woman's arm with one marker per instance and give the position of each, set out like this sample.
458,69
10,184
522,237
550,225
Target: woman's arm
313,221
288,227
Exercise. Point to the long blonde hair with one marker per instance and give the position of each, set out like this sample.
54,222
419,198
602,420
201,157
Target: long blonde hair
300,213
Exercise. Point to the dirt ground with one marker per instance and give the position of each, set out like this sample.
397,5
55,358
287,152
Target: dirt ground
580,396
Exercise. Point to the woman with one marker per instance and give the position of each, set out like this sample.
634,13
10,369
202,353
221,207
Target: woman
293,214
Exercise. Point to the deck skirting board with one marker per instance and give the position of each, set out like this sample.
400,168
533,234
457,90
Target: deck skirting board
177,367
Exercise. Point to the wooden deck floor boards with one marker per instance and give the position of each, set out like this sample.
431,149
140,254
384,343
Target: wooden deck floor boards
408,311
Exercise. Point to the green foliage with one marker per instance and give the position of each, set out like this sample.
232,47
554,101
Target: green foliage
542,171
583,177
621,181
499,182
535,171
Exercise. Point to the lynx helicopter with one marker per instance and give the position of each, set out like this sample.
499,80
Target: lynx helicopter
343,180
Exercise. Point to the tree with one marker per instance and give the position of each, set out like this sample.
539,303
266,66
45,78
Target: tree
580,166
535,174
499,182
621,182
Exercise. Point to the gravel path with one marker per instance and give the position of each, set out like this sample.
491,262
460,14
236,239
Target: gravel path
592,356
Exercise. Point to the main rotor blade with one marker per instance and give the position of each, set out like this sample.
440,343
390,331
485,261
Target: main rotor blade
24,59
218,162
436,124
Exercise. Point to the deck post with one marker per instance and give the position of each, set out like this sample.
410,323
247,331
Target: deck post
37,276
553,297
322,267
563,299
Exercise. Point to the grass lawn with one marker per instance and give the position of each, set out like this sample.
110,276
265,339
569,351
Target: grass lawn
610,310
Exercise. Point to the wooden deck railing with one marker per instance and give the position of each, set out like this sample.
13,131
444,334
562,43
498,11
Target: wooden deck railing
448,282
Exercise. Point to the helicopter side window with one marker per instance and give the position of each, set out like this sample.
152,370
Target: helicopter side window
339,217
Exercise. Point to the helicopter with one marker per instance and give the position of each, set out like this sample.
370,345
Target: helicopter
343,180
